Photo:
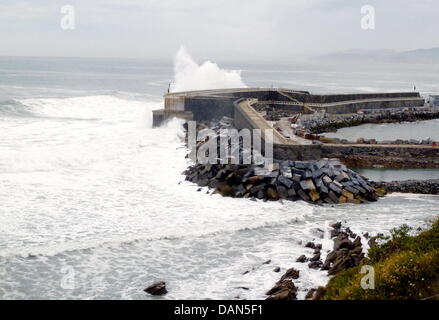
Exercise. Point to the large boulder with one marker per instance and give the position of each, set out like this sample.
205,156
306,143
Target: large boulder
157,289
283,290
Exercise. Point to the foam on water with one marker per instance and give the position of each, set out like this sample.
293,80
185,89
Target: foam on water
101,199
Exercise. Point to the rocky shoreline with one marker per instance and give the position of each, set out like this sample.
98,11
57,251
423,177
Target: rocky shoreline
331,123
347,253
409,186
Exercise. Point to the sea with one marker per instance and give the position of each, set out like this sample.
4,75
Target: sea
93,203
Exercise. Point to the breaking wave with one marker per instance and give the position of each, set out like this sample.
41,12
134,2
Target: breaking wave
188,75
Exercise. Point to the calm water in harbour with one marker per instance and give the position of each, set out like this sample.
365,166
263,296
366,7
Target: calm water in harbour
90,200
391,131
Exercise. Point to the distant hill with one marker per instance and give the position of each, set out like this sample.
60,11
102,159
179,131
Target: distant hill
420,55
414,56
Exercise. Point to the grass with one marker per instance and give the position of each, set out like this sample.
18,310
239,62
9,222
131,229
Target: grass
405,267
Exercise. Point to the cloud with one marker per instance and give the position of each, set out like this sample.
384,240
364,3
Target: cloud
247,29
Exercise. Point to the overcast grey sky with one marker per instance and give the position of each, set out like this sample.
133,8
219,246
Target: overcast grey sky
228,29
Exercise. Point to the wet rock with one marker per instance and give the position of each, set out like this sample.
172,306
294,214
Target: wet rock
290,274
315,264
341,241
283,290
157,289
302,259
310,294
311,245
316,257
277,269
346,253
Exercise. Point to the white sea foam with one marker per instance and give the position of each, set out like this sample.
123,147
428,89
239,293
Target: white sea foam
189,75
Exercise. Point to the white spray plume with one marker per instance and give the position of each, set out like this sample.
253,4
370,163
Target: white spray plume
188,75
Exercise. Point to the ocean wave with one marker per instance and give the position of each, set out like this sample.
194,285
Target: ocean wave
15,108
92,108
117,242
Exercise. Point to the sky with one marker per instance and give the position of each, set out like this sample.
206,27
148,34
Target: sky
221,30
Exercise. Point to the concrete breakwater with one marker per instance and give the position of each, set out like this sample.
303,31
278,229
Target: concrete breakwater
323,181
294,116
409,186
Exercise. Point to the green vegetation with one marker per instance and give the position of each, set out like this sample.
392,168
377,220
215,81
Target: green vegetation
406,267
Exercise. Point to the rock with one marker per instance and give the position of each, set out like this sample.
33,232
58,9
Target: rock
310,294
272,194
285,290
316,257
336,225
342,177
277,269
345,260
314,195
301,164
285,181
307,184
290,274
303,195
357,242
302,259
347,194
342,241
326,180
326,265
282,192
333,196
310,244
266,262
333,187
157,289
338,184
296,177
315,264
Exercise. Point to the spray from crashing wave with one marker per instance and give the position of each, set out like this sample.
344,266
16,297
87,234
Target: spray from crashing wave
188,75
